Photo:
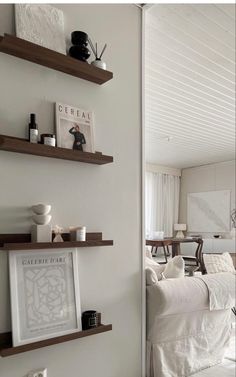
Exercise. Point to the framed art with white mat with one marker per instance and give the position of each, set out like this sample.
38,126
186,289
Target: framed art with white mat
45,296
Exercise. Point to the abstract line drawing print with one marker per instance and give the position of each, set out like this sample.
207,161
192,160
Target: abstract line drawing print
46,298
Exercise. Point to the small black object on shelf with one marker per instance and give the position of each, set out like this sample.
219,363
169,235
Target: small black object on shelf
79,50
89,319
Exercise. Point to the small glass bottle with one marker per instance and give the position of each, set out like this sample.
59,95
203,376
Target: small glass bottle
33,129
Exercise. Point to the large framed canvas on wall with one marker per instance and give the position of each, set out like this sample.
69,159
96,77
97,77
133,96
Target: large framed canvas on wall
209,211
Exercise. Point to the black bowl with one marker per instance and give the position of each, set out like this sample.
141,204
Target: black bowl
79,52
79,37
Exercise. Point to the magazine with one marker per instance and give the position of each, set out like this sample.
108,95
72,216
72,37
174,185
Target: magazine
74,128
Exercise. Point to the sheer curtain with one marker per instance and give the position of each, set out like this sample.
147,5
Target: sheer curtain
161,202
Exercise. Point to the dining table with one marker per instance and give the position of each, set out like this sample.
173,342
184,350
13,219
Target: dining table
175,243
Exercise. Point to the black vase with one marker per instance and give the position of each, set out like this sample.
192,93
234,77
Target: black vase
79,50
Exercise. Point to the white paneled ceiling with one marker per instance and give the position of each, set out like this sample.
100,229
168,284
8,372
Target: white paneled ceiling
190,84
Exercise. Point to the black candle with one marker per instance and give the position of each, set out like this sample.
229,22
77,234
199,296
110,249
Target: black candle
89,319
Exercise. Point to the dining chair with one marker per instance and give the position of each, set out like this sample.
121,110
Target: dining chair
195,261
165,246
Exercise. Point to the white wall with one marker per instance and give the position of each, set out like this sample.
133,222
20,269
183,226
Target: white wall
212,177
105,198
154,168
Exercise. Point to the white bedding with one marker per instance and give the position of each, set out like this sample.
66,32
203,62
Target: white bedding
221,288
183,335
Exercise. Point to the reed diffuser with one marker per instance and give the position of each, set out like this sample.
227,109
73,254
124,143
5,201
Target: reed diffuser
98,58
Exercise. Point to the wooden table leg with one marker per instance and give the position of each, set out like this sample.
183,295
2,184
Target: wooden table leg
175,249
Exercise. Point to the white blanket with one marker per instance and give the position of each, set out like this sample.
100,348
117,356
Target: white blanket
221,288
183,334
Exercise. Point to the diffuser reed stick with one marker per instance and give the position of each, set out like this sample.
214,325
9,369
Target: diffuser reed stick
103,50
95,49
92,47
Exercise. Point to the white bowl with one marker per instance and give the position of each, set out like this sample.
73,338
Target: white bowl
41,209
42,219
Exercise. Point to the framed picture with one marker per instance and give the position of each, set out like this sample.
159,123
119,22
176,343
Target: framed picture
209,211
45,296
41,24
74,128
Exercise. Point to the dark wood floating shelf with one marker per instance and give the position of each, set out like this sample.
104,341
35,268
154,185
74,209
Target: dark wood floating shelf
13,144
32,52
54,245
6,348
23,242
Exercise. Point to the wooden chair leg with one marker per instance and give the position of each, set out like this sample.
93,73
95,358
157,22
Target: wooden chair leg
168,250
199,257
165,253
154,250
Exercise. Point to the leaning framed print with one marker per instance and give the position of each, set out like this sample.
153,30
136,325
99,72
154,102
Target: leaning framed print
74,128
45,296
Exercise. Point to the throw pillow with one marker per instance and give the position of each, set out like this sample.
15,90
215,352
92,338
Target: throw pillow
174,268
218,263
158,268
151,277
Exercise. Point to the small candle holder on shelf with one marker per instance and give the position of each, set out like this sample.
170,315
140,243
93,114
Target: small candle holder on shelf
78,233
91,319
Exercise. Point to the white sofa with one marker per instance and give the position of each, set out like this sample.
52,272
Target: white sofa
184,332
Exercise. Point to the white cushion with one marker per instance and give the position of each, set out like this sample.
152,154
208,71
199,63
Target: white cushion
151,277
158,268
174,268
218,263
